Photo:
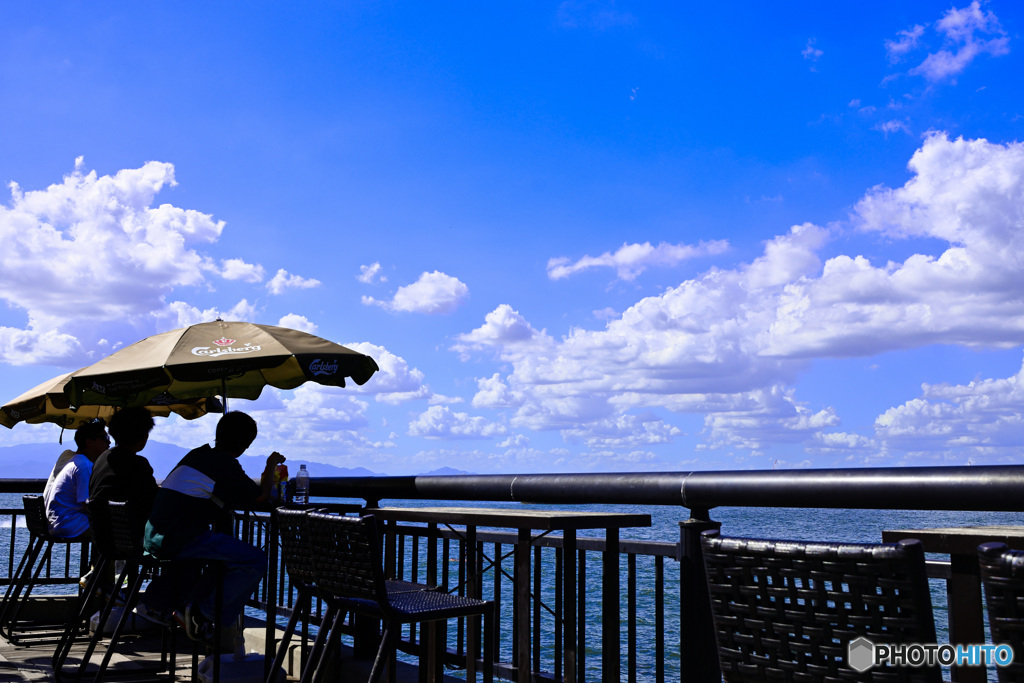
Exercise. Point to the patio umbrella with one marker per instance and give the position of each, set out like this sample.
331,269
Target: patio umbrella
230,359
47,403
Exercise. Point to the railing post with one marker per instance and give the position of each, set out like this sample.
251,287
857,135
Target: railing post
698,654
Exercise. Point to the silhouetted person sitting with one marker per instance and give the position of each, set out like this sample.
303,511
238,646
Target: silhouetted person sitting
199,492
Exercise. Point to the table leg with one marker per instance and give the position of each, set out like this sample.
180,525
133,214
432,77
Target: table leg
569,604
966,623
522,635
431,633
610,607
270,594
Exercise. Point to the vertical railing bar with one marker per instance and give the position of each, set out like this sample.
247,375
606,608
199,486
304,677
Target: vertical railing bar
400,544
659,618
10,558
414,557
558,613
479,594
496,573
460,633
581,618
631,621
536,644
446,552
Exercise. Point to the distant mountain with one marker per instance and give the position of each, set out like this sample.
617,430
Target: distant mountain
444,471
254,464
35,460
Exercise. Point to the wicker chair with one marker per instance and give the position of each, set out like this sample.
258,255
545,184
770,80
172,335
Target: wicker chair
1002,575
25,577
348,568
787,610
297,555
116,535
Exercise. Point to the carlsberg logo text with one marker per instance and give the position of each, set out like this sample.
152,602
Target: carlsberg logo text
862,654
323,367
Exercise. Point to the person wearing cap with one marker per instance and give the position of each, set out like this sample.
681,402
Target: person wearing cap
68,487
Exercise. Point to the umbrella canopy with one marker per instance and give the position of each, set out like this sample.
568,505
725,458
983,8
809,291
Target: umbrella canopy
229,359
47,403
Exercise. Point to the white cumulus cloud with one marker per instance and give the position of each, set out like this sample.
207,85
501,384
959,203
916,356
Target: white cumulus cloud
283,280
968,32
440,422
983,418
237,269
94,252
395,382
297,322
432,293
905,42
630,260
370,274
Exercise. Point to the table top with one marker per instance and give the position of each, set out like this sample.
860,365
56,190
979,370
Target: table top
544,520
340,508
959,540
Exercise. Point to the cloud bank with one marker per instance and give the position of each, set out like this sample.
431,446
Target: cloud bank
730,344
94,258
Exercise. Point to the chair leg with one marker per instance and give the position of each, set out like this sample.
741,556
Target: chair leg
60,655
302,605
218,620
388,646
129,603
108,607
26,582
489,627
17,583
333,617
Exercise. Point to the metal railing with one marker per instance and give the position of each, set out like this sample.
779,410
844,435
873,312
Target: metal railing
677,643
991,488
61,565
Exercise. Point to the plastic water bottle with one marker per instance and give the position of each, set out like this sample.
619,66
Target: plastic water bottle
302,486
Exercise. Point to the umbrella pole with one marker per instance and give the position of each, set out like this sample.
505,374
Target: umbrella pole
224,393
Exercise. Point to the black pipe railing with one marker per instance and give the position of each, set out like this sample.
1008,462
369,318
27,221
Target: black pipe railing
989,488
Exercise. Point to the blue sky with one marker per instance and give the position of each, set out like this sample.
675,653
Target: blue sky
578,236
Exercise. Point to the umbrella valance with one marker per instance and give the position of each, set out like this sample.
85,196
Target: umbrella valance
231,359
47,403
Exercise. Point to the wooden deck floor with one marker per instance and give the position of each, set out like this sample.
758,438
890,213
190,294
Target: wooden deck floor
31,662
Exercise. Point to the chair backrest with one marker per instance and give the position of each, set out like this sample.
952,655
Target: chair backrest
296,545
1002,575
123,527
101,527
789,609
347,559
35,516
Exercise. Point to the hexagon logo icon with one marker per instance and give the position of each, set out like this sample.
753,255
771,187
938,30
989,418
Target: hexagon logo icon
860,654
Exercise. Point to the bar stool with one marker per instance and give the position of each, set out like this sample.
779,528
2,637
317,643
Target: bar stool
349,572
296,554
298,557
27,574
116,536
